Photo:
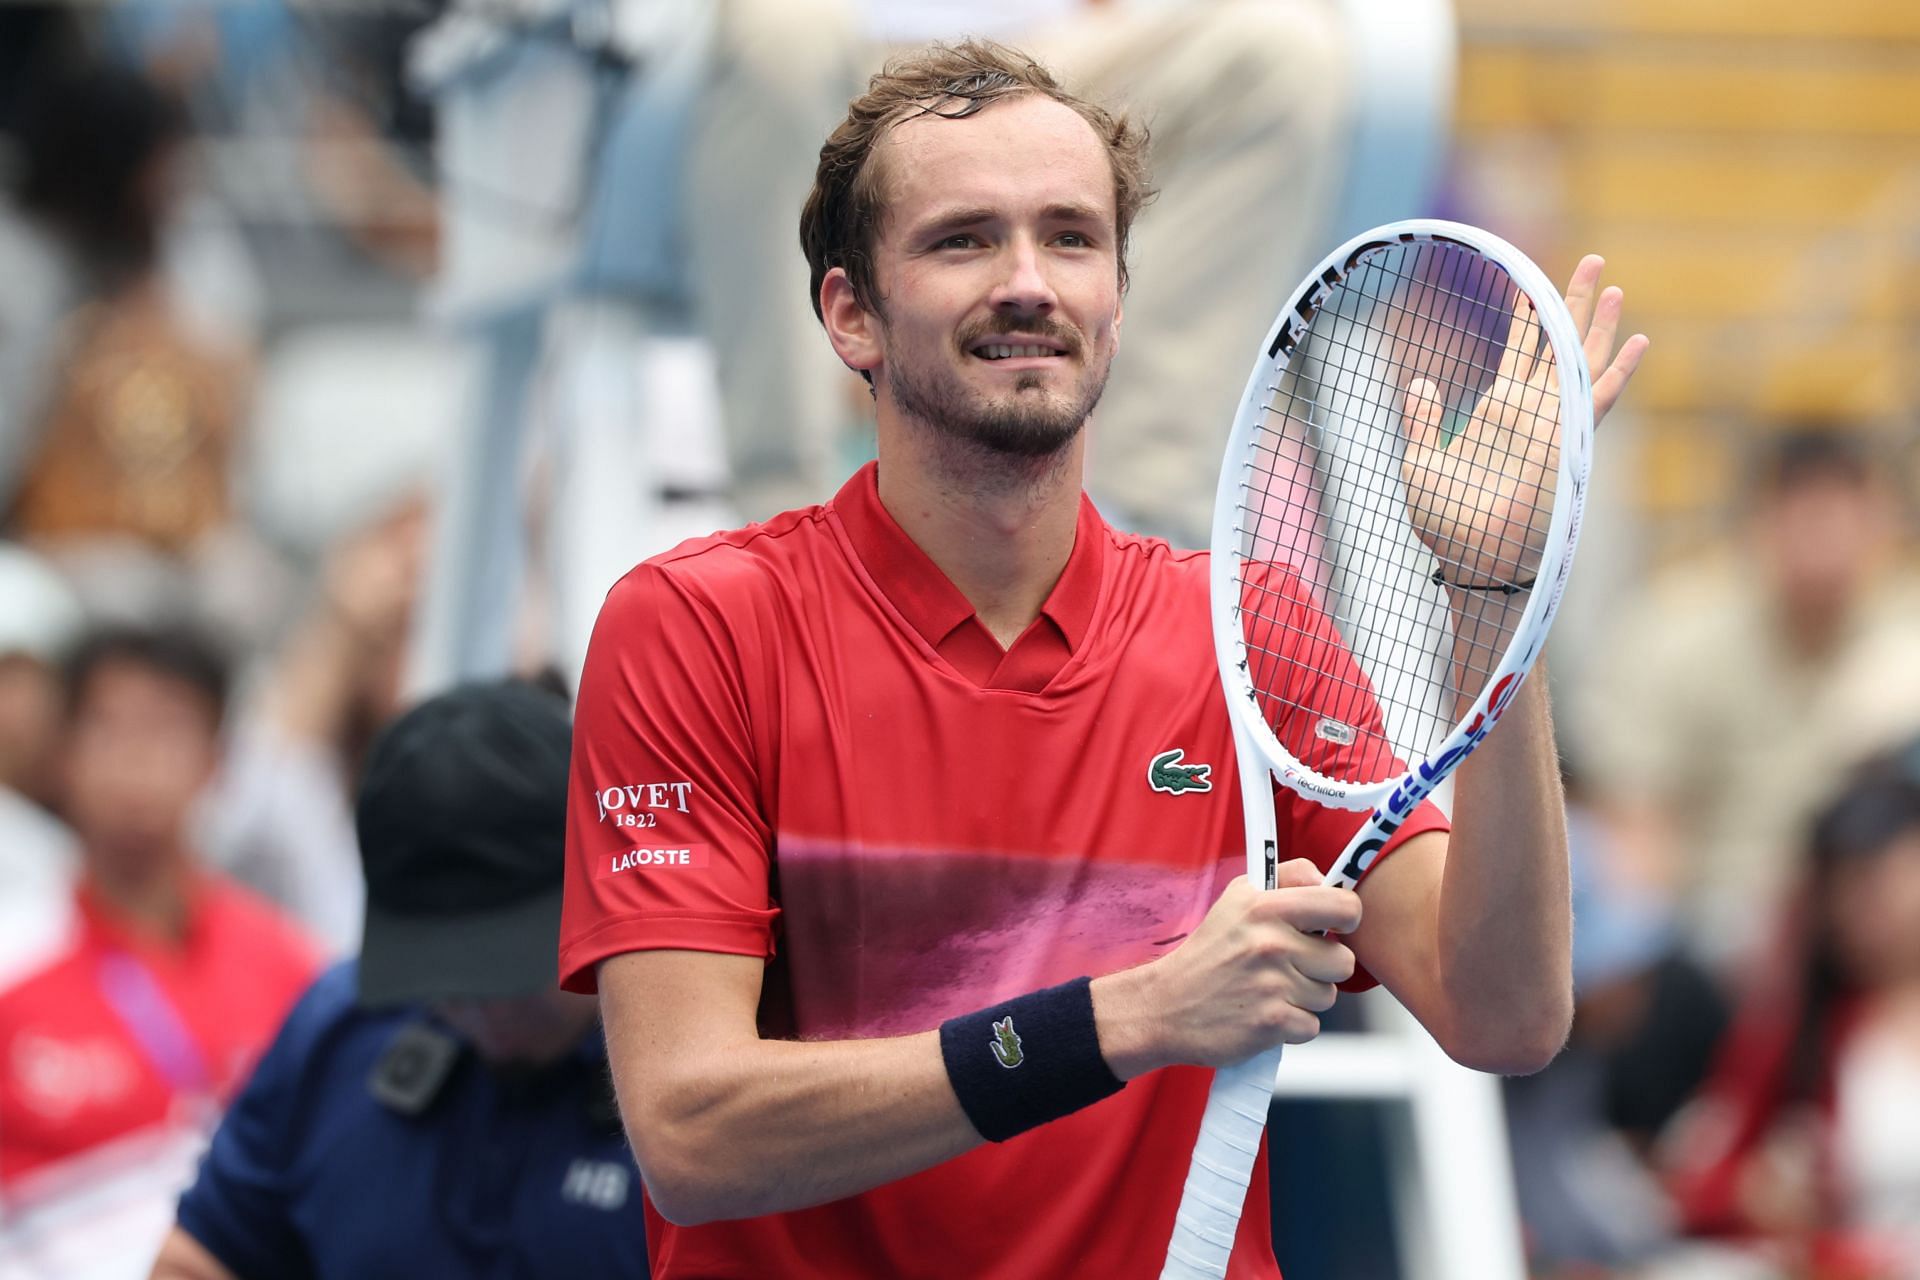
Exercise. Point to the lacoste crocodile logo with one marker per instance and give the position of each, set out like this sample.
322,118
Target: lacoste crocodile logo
1006,1044
1167,774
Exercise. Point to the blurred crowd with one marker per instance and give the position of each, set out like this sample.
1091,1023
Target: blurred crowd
222,407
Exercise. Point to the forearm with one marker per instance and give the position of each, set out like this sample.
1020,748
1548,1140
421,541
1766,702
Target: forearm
1504,938
312,683
728,1125
725,1124
771,1125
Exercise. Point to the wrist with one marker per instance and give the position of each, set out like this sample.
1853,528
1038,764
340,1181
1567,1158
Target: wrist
1124,1018
1024,1062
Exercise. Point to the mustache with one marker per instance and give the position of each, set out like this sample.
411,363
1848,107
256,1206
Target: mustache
1037,326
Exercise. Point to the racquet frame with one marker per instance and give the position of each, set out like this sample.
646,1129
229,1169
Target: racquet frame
1230,1131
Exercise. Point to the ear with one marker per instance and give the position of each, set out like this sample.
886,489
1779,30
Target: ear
853,330
1119,314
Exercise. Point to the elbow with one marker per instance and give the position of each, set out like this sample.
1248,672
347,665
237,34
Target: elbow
678,1192
673,1180
1516,1044
680,1202
688,1184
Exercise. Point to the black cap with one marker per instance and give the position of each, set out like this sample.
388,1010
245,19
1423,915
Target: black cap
462,822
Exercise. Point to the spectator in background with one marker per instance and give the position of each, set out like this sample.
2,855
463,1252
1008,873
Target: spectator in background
131,432
1806,1144
441,1108
1734,694
39,619
170,980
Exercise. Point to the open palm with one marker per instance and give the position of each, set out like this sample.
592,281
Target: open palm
1480,486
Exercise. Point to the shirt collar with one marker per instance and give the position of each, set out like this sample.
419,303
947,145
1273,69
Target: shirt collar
924,595
112,928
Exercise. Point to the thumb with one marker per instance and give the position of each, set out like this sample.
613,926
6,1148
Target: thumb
1300,873
1424,413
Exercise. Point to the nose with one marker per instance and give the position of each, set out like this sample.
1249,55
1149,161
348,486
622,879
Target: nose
1024,288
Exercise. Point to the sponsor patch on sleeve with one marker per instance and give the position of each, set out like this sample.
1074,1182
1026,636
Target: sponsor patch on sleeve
641,861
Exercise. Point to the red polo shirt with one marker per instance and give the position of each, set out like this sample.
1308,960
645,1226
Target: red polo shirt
120,1032
797,741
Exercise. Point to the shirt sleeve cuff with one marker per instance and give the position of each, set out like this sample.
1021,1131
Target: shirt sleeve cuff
744,933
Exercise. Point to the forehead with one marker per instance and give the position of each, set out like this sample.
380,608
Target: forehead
128,685
1018,154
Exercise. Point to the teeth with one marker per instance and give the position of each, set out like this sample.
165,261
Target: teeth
1004,351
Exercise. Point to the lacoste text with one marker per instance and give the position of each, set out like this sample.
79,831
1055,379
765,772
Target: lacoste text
633,859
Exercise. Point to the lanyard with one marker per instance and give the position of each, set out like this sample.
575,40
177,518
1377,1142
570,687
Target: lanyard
142,1006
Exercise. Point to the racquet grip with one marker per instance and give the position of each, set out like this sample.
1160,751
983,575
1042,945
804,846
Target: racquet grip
1230,1129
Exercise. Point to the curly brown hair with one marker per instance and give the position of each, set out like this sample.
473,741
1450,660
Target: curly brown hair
843,212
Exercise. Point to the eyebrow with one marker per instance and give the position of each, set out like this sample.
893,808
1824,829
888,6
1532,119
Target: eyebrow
952,219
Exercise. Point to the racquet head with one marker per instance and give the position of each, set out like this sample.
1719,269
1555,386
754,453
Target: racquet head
1409,460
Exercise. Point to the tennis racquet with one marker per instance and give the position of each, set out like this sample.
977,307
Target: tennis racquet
1395,521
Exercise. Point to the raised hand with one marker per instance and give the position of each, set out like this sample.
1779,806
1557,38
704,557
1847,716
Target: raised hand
1480,487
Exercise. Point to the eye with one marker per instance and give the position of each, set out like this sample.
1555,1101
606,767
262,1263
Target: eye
959,240
1073,240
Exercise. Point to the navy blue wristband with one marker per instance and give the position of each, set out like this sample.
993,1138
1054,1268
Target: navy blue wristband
1020,1063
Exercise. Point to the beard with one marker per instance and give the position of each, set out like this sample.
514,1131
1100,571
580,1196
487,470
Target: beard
1030,422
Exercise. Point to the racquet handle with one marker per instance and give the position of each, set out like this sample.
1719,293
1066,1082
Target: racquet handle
1222,1168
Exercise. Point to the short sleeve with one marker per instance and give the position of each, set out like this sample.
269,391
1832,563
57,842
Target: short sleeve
667,843
241,1204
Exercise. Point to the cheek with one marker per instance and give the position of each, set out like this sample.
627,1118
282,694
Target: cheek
1876,917
1899,905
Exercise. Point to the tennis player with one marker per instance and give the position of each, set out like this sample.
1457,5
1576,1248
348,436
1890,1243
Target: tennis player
903,834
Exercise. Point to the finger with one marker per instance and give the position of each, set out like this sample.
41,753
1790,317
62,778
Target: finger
1315,997
1582,289
1298,873
1299,1027
1598,346
1324,960
1608,386
1424,413
1319,909
1523,341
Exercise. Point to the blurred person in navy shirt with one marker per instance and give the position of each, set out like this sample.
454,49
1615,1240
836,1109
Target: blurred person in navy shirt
438,1107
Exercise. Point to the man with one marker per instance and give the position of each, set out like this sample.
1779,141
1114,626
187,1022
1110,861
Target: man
1736,692
167,982
1254,180
39,620
439,1108
900,747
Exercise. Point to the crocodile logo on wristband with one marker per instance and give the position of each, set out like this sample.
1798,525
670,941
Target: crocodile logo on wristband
1006,1044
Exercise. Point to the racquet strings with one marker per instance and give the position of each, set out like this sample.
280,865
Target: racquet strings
1425,371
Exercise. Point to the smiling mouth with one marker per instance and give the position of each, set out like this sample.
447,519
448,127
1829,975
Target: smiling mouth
1013,351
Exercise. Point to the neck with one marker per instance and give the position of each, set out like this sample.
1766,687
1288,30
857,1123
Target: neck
1001,528
152,894
1812,632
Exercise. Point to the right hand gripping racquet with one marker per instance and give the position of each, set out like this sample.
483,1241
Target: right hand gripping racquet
1410,457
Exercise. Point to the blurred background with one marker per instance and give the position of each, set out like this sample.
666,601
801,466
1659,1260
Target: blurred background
348,347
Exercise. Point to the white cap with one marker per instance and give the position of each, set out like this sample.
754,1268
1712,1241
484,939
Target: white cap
39,613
